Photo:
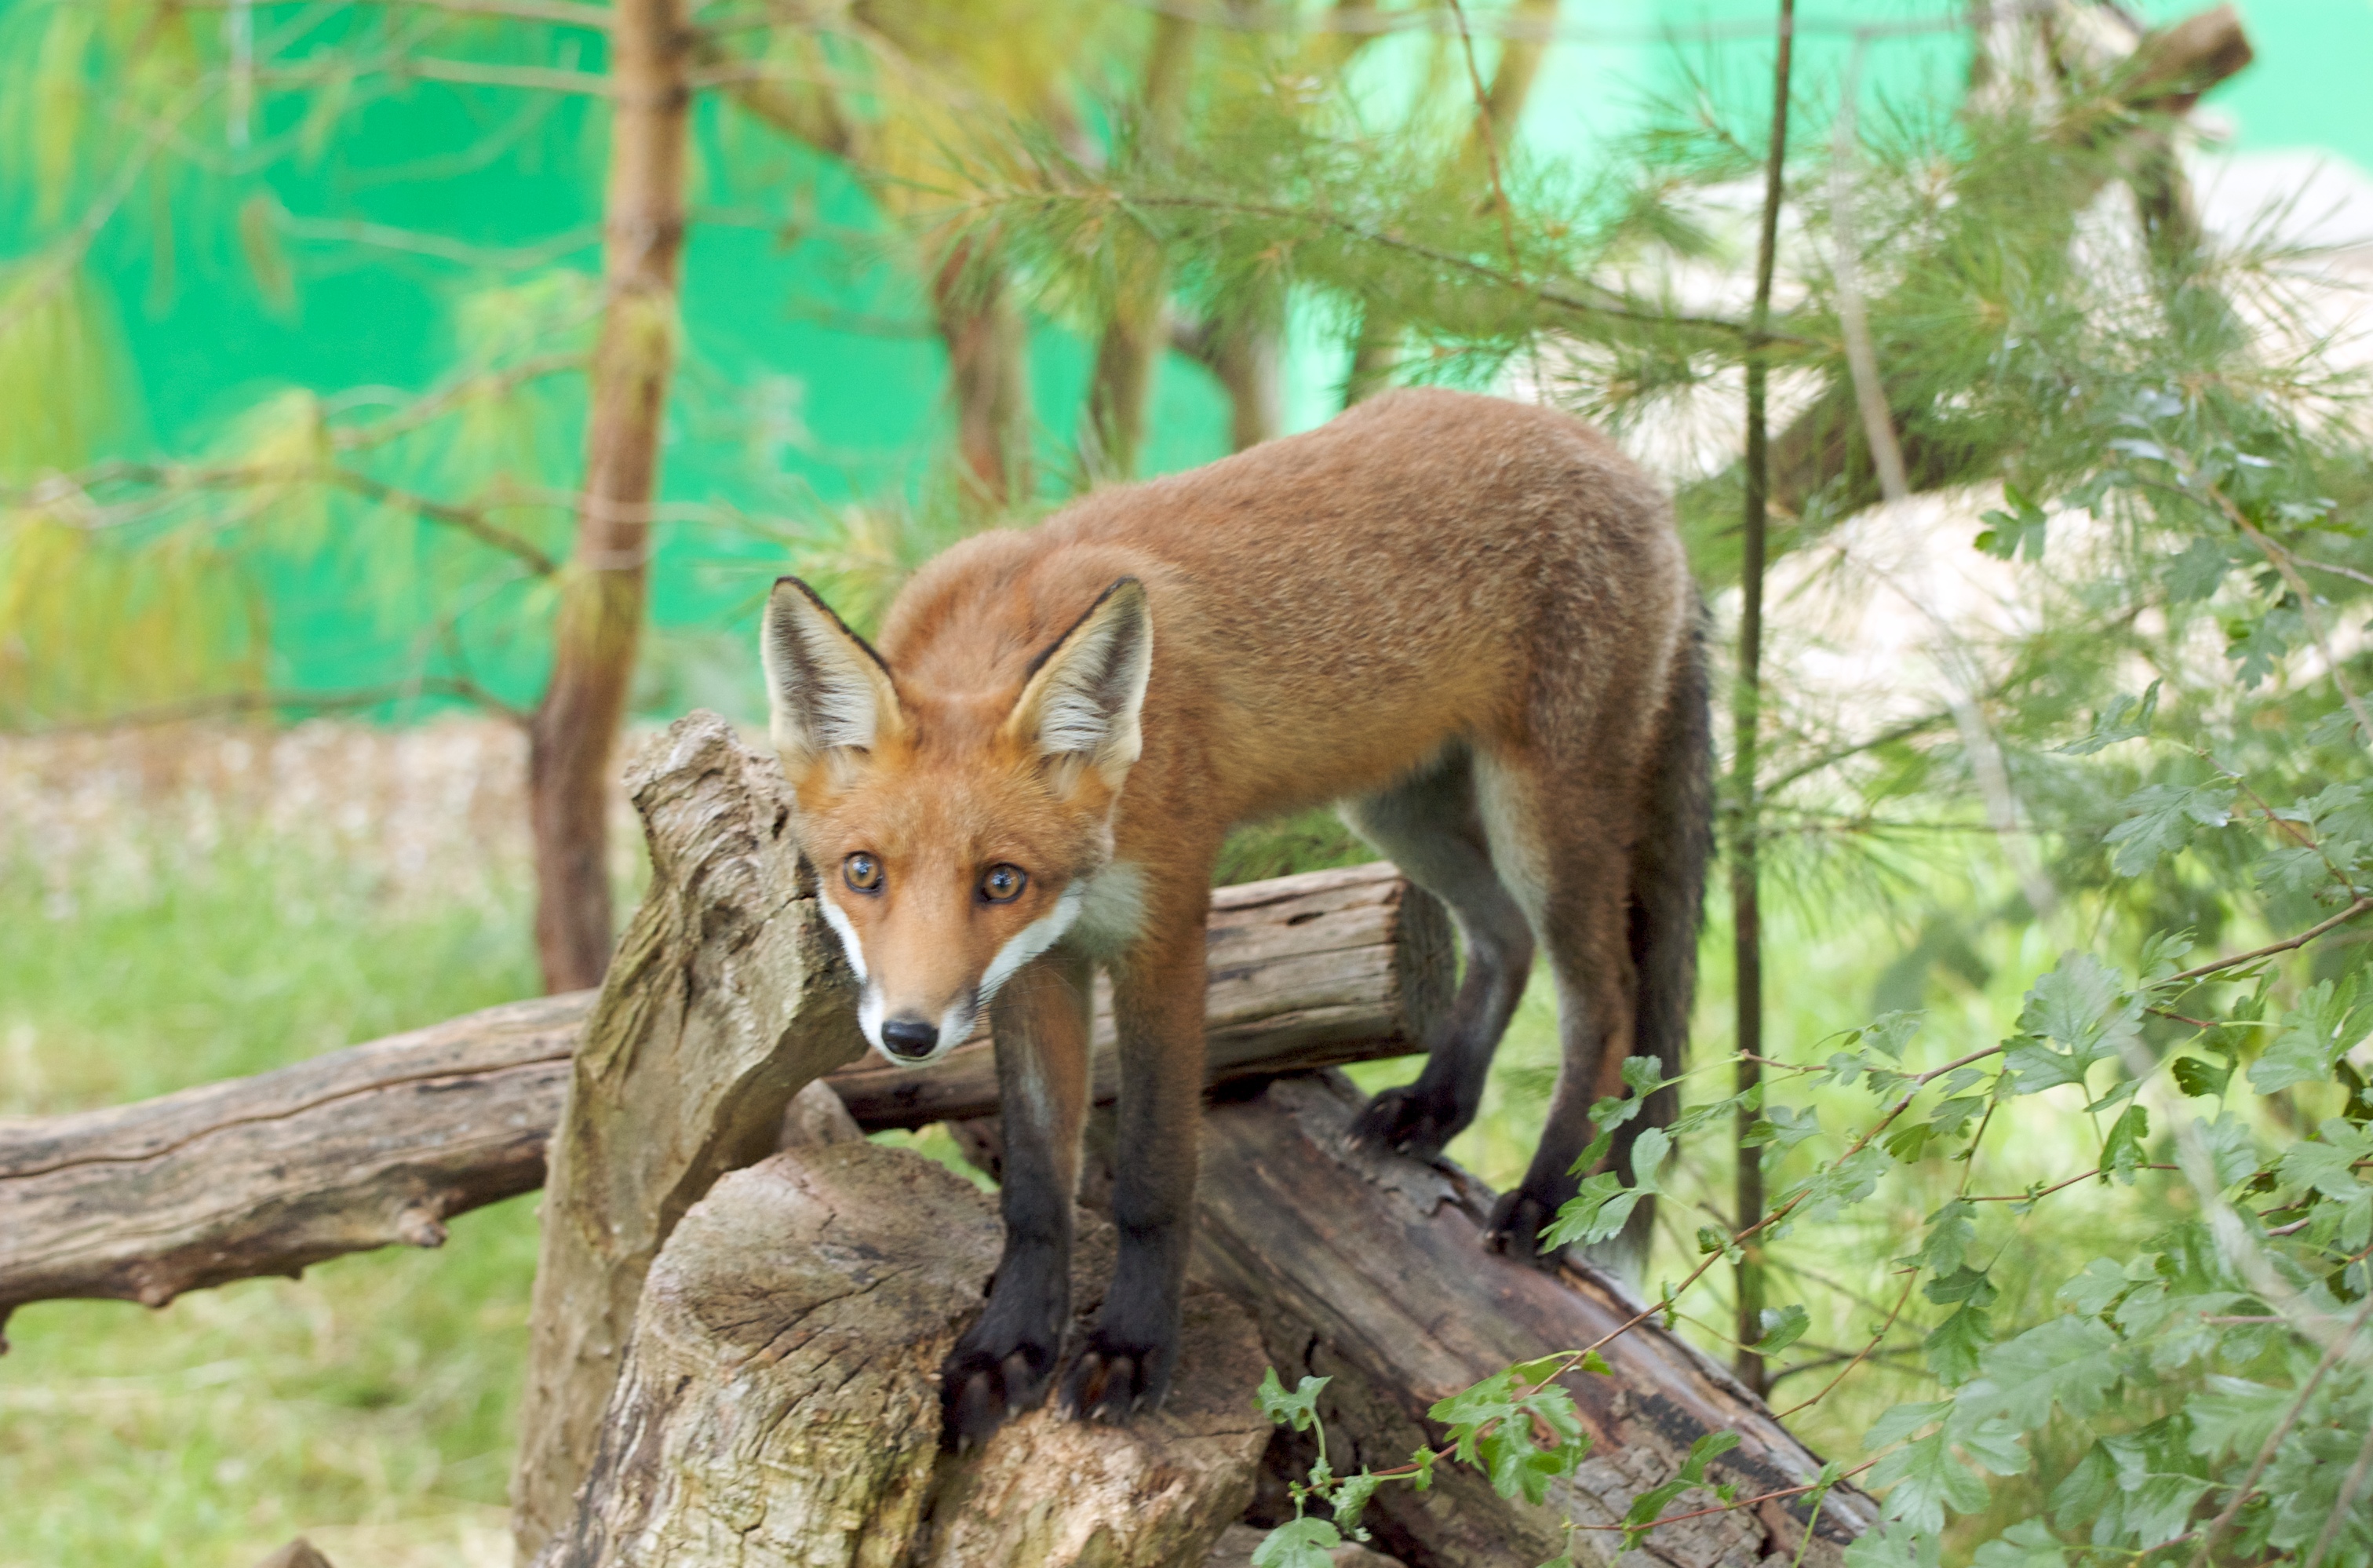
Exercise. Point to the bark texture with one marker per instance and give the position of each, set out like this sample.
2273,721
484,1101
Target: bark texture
777,1406
727,998
1368,1268
574,730
380,1143
363,1147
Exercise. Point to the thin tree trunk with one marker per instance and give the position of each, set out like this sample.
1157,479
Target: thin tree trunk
1747,718
1378,351
1123,377
986,378
574,734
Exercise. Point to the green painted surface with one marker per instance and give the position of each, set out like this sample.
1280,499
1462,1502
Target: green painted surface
789,403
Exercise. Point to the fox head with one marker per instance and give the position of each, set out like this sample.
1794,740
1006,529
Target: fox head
957,835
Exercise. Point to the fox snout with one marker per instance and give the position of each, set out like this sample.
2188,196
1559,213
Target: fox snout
908,1038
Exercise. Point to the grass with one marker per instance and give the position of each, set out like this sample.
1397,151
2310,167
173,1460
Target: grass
369,1404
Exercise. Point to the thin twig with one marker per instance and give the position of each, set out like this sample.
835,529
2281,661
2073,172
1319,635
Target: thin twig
1912,1279
2274,1438
1862,355
2272,948
2350,1491
1487,133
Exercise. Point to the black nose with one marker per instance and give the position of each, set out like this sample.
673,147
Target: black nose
909,1037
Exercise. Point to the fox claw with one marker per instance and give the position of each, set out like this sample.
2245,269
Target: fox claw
978,1390
1515,1226
1406,1120
1112,1381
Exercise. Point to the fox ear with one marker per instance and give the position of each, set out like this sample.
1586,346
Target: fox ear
1085,691
826,687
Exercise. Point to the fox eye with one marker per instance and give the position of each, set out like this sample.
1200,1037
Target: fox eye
1003,884
862,871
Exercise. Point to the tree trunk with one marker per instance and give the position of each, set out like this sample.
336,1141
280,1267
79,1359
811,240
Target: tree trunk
380,1143
573,731
1134,335
1370,1269
987,378
728,997
778,1404
1377,352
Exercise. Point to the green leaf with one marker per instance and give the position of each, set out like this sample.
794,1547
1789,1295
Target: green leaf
1492,1425
1298,1409
2086,1489
1298,1543
2165,817
1993,1445
2018,532
1595,1212
1902,1422
2121,1152
2092,1291
2026,1544
2233,1415
1951,1229
1893,1544
1643,1074
2083,1005
1963,1284
2125,719
2202,1077
2197,572
2312,1036
1925,1480
2325,1166
1952,1347
2232,1149
1781,1329
2065,1362
1351,1498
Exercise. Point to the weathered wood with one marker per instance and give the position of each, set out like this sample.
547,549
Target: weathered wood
1367,1268
778,1403
380,1143
362,1147
719,1007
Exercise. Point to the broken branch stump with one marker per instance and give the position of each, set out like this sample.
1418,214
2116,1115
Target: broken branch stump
779,1405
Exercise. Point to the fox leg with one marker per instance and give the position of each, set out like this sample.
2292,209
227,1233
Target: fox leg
1429,826
1559,835
1002,1364
1158,1008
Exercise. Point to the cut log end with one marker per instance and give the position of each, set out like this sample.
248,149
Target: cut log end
781,1388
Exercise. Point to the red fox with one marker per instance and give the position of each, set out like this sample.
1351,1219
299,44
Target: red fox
1468,621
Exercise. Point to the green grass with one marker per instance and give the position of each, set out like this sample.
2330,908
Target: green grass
376,1395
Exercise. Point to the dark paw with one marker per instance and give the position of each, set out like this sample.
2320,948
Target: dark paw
1115,1378
1515,1226
980,1388
1411,1120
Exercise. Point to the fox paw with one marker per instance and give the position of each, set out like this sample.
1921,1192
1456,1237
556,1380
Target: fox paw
1115,1378
980,1388
1515,1226
1408,1119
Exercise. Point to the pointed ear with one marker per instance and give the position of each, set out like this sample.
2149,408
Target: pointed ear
1086,692
826,687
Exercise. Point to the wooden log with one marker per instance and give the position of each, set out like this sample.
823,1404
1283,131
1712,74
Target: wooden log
778,1402
1368,1267
380,1143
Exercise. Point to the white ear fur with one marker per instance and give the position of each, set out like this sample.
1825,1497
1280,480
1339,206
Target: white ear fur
1086,698
825,688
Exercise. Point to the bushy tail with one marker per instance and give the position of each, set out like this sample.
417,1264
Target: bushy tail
1668,872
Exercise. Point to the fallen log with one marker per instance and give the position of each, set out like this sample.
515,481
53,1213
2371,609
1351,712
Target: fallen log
1367,1268
779,1401
380,1143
